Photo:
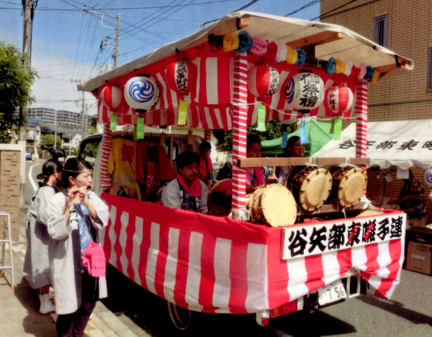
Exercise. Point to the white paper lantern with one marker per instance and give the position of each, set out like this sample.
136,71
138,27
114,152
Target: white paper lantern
141,93
428,177
309,91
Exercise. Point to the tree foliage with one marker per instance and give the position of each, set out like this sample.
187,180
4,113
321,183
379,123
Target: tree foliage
48,140
15,83
273,130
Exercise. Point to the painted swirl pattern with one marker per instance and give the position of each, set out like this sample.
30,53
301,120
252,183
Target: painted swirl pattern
142,90
289,90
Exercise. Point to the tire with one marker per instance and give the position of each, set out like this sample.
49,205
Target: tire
180,317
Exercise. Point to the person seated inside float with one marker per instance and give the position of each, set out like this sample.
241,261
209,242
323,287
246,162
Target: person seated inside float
294,149
187,191
256,176
206,173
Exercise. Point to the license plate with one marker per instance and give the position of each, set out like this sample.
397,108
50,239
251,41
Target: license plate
332,292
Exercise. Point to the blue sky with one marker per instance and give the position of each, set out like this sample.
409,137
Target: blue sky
66,42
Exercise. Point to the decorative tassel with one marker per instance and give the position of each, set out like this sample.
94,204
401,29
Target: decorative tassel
113,122
337,128
303,137
285,135
182,112
140,128
261,118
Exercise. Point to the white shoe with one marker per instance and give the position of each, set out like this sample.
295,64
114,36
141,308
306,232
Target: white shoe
46,305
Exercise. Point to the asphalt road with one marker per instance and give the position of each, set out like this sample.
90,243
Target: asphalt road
408,313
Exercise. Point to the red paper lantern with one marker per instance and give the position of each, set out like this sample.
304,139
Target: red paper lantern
182,76
263,80
309,91
113,98
339,99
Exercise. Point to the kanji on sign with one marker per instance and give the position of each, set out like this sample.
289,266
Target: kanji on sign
370,143
298,243
369,231
347,144
336,236
408,145
396,227
427,145
383,228
317,238
353,233
386,145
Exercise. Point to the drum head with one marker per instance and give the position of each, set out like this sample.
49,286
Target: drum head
352,187
277,206
219,199
370,212
315,189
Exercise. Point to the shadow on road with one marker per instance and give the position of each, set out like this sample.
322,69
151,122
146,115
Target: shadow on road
34,323
143,311
398,309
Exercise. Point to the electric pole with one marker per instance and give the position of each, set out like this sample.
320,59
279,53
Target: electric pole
105,40
28,4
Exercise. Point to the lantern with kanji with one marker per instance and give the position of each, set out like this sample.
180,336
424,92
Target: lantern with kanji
141,93
112,97
338,100
263,80
309,91
182,76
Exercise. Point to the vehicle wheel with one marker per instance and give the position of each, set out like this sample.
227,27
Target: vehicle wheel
179,317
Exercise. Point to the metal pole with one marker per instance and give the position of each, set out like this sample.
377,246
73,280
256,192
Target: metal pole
82,116
116,49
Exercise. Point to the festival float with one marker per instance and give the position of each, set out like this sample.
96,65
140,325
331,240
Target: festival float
283,248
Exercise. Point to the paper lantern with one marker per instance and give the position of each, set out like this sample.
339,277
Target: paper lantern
182,76
113,98
290,90
309,91
141,93
428,177
339,99
263,80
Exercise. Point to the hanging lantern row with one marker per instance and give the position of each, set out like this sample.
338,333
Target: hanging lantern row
280,52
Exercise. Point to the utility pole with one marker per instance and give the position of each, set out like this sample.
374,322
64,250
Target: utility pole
82,116
26,52
55,129
105,40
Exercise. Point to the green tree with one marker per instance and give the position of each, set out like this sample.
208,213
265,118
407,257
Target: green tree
273,130
92,131
48,140
15,82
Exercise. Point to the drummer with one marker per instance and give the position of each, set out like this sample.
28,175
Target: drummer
206,173
256,176
294,149
187,191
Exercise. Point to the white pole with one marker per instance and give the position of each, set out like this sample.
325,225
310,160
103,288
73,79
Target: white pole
55,128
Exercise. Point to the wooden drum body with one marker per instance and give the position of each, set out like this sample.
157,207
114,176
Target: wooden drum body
273,205
310,186
219,199
349,184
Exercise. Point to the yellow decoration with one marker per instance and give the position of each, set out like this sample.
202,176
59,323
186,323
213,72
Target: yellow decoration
231,41
292,55
375,77
340,66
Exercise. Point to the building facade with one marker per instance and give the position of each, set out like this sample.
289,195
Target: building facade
68,119
404,27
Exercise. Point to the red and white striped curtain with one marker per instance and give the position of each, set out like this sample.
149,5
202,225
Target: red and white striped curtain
207,135
240,110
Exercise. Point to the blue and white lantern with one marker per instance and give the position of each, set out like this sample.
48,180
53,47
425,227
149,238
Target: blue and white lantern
141,93
428,177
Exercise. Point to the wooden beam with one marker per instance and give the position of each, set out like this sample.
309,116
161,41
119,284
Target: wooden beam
261,162
317,39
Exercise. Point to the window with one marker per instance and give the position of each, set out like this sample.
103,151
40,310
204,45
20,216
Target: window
429,77
381,30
